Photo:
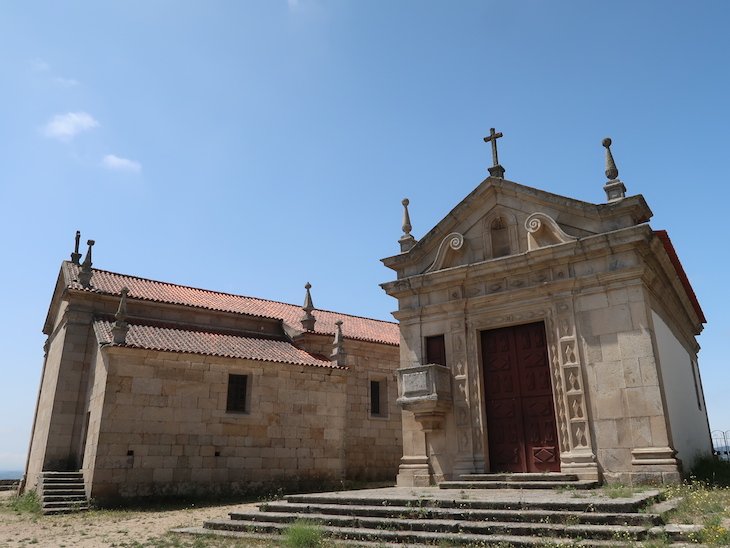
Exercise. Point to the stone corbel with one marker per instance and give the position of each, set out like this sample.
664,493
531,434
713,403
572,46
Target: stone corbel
542,231
425,390
453,242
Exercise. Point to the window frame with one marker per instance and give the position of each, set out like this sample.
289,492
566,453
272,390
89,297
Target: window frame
427,348
382,397
245,395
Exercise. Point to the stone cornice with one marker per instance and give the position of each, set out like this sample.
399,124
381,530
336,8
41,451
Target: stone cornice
526,265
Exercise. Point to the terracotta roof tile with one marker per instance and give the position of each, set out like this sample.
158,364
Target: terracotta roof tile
210,344
353,327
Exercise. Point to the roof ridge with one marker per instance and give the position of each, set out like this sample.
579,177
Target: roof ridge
232,294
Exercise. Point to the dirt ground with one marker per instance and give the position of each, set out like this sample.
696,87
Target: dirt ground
120,528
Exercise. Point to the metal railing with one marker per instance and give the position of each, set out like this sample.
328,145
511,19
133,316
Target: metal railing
721,444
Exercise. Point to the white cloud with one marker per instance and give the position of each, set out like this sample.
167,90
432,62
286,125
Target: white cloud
110,161
65,127
65,82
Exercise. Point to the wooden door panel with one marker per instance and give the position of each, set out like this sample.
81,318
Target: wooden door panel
505,435
522,433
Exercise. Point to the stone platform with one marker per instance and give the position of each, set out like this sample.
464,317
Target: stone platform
451,517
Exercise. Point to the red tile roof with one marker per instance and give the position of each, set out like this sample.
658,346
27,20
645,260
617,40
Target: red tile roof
681,274
353,327
167,339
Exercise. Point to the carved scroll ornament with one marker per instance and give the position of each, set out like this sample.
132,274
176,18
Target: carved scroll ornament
452,242
542,231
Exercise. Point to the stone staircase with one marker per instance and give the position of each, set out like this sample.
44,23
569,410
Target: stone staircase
475,510
62,492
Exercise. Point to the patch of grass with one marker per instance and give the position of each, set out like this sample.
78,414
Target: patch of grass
303,534
714,533
617,491
27,503
706,506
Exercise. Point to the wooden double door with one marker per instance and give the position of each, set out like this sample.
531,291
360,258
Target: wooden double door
520,412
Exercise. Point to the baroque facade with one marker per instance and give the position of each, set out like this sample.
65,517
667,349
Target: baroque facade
155,389
540,333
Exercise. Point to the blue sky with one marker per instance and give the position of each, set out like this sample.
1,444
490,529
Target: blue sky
250,147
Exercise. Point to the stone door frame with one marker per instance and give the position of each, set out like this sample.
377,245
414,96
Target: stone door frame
567,375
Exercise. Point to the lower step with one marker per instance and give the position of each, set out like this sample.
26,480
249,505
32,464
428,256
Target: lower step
244,520
65,510
396,536
464,514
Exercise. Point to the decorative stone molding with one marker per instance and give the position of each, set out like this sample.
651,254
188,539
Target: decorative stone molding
574,428
452,242
653,456
542,231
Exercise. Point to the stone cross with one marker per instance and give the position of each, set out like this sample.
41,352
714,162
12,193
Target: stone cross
496,170
493,136
76,256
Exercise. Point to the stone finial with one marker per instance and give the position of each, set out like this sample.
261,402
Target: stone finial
339,356
496,170
76,256
308,319
611,169
121,327
614,188
406,241
85,272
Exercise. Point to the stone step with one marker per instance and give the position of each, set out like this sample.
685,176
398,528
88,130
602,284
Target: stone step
63,487
60,475
529,477
64,498
65,509
522,484
590,504
544,516
243,521
62,481
63,504
418,538
65,492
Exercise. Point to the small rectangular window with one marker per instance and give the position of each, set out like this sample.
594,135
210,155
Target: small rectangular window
237,401
375,398
436,350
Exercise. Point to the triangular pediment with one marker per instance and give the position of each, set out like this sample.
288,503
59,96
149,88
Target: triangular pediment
502,218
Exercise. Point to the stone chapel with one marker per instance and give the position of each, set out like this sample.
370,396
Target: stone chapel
151,388
540,333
